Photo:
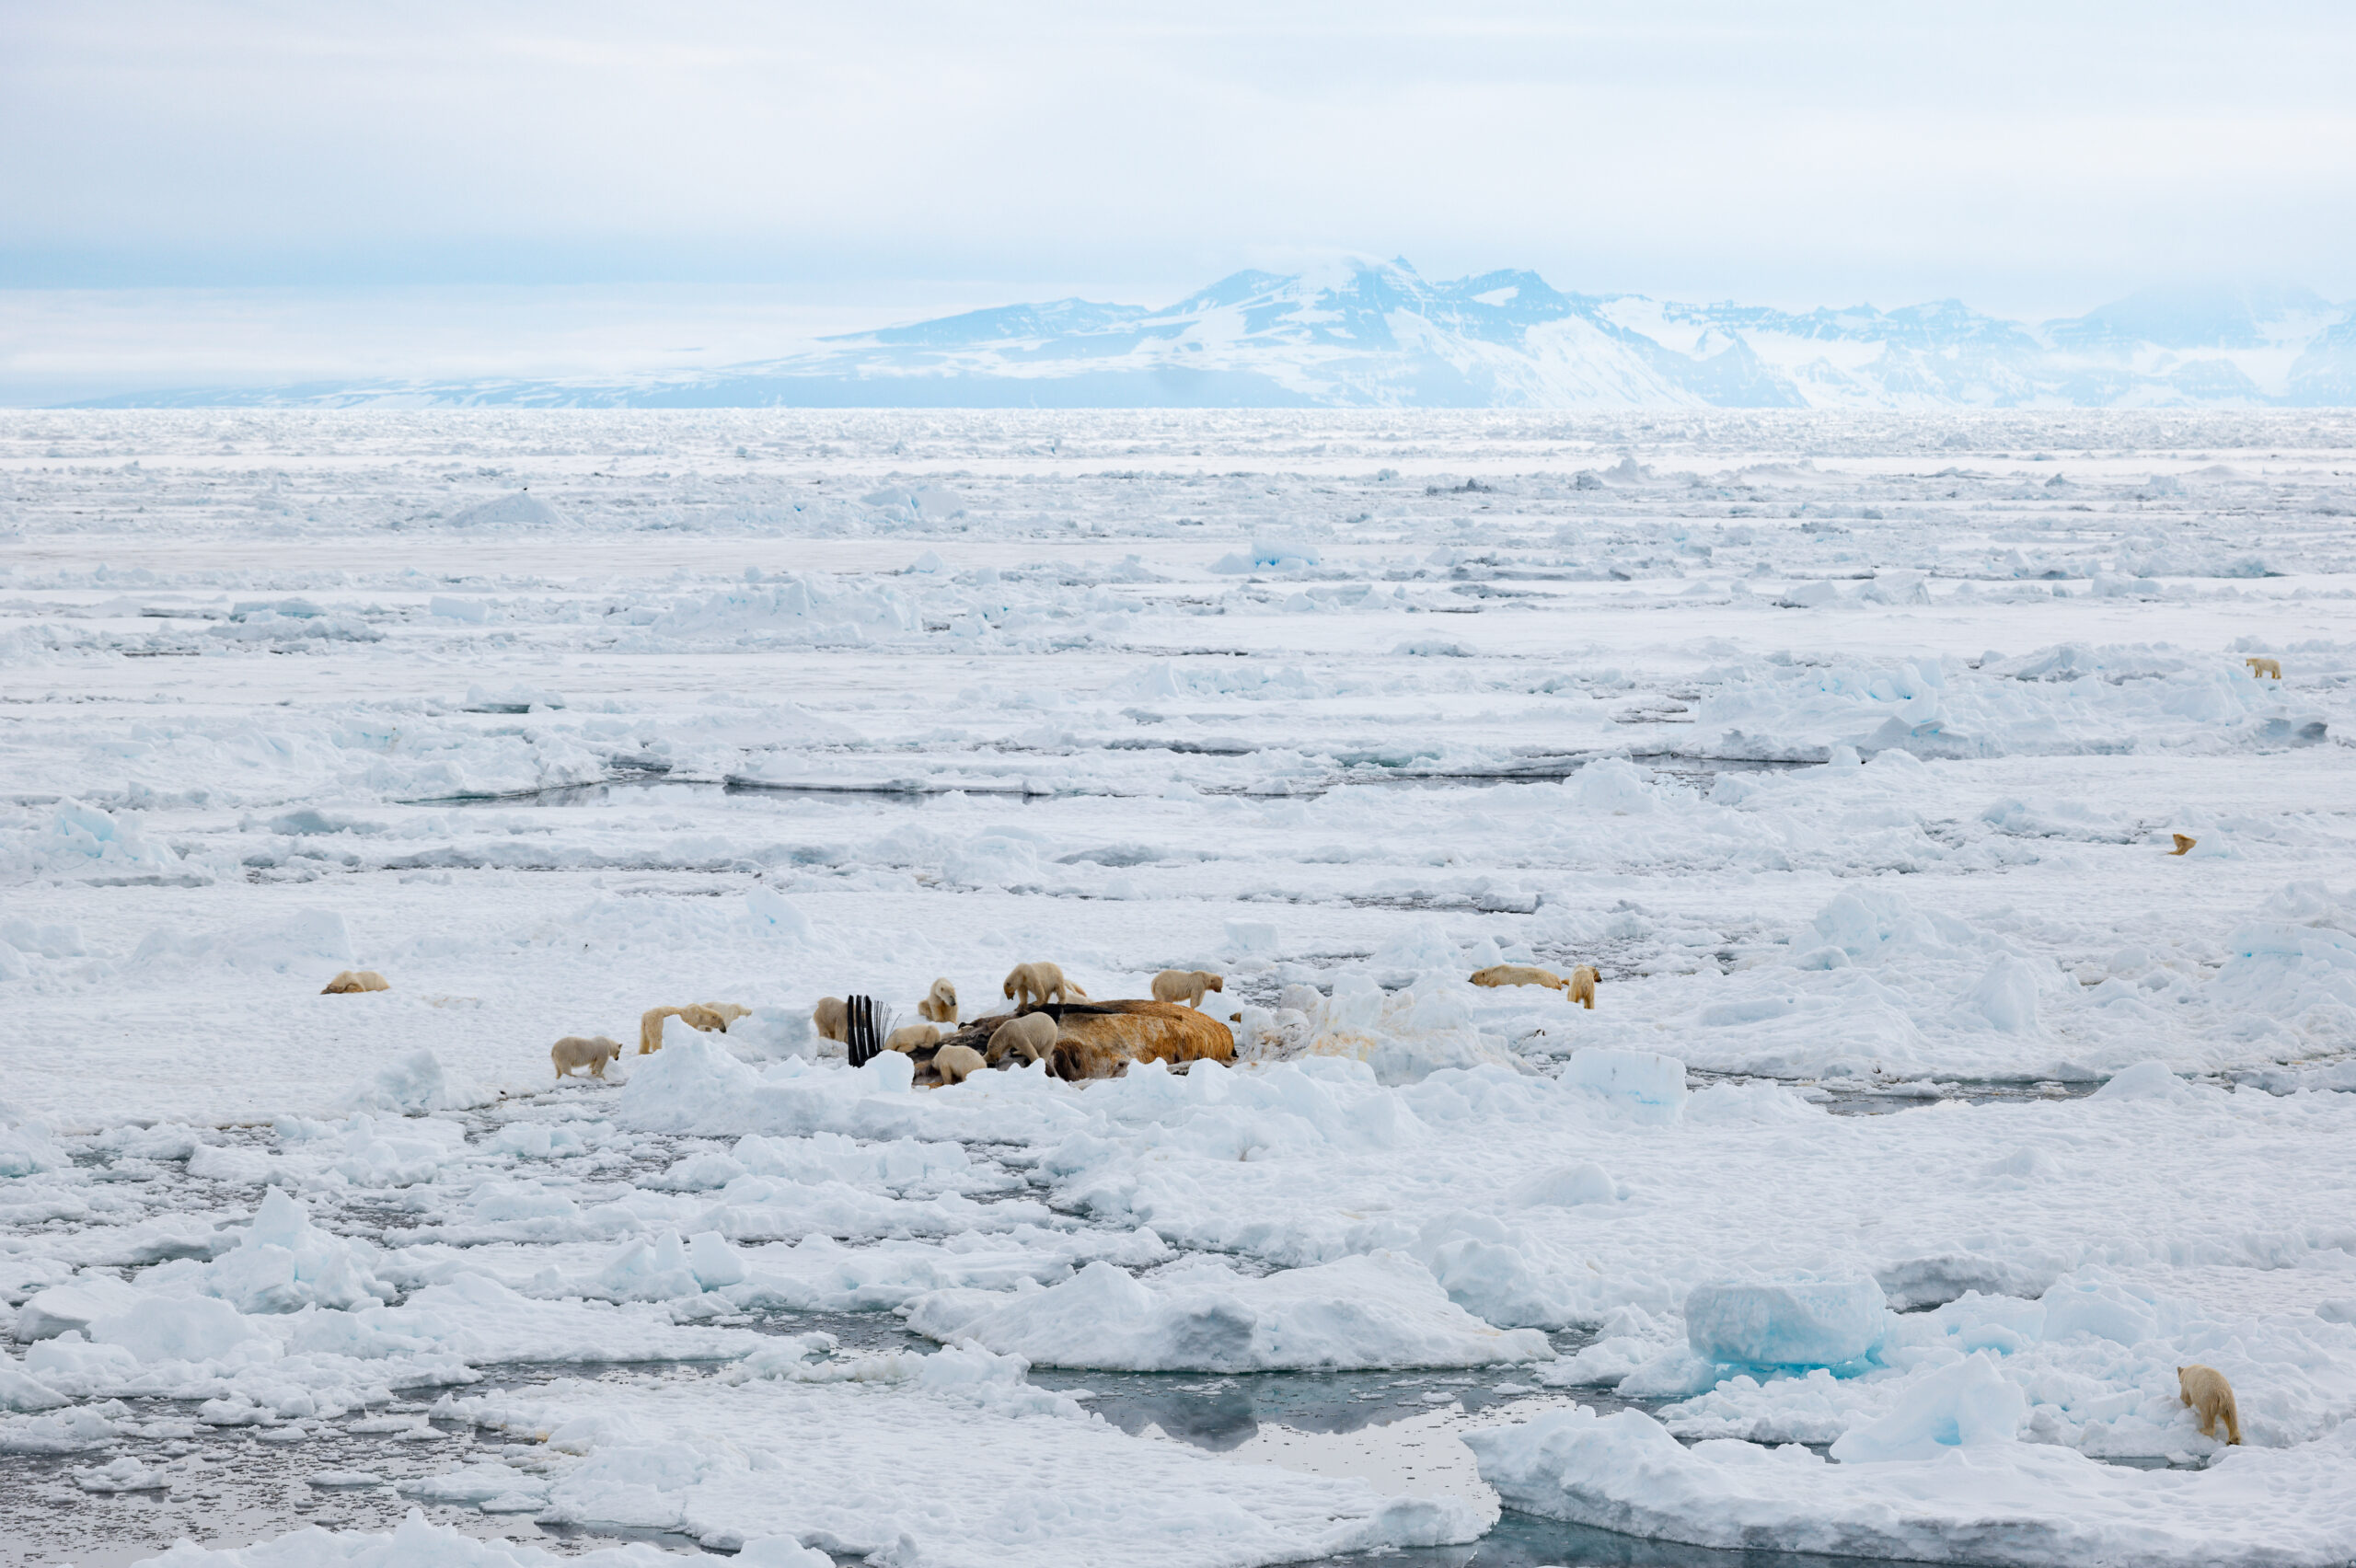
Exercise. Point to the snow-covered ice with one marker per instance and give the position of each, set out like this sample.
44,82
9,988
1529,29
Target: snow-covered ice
1930,1116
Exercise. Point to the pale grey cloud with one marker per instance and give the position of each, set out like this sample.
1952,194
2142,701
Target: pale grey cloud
2027,157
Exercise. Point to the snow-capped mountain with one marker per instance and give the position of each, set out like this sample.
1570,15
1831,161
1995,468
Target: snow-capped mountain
1378,334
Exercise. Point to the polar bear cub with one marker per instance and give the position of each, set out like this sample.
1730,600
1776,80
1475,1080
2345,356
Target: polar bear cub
2205,1390
576,1051
1186,986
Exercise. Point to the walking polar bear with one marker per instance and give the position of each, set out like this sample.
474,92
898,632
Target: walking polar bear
1186,986
576,1051
2205,1390
1043,981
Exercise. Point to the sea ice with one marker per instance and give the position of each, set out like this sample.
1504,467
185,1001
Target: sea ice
1795,1321
1380,1310
1959,1406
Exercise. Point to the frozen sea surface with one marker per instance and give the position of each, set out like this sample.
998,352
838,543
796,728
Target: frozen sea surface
1849,750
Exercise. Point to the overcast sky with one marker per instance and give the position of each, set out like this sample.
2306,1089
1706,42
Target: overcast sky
2032,159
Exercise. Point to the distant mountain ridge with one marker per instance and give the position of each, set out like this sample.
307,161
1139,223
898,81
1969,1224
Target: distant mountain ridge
1380,335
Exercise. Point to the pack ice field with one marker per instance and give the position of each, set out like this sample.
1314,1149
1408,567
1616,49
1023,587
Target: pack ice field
1955,811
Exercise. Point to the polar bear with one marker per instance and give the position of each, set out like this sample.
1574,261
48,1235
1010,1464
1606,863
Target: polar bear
913,1037
353,980
591,1050
1580,988
940,1004
832,1015
955,1064
1031,1036
2184,843
1517,974
711,1018
2204,1388
1042,980
1186,986
2265,669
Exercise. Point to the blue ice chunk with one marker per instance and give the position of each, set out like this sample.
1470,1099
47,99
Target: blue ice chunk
1800,1321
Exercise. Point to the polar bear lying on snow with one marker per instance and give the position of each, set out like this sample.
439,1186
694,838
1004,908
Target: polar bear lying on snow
353,980
1579,987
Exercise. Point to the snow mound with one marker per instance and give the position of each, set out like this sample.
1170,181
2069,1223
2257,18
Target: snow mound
806,607
2146,1080
1646,1080
27,1148
414,1086
1404,1035
1613,785
1379,1310
283,1262
695,1085
186,1328
1960,1406
519,509
73,1307
85,842
2296,961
